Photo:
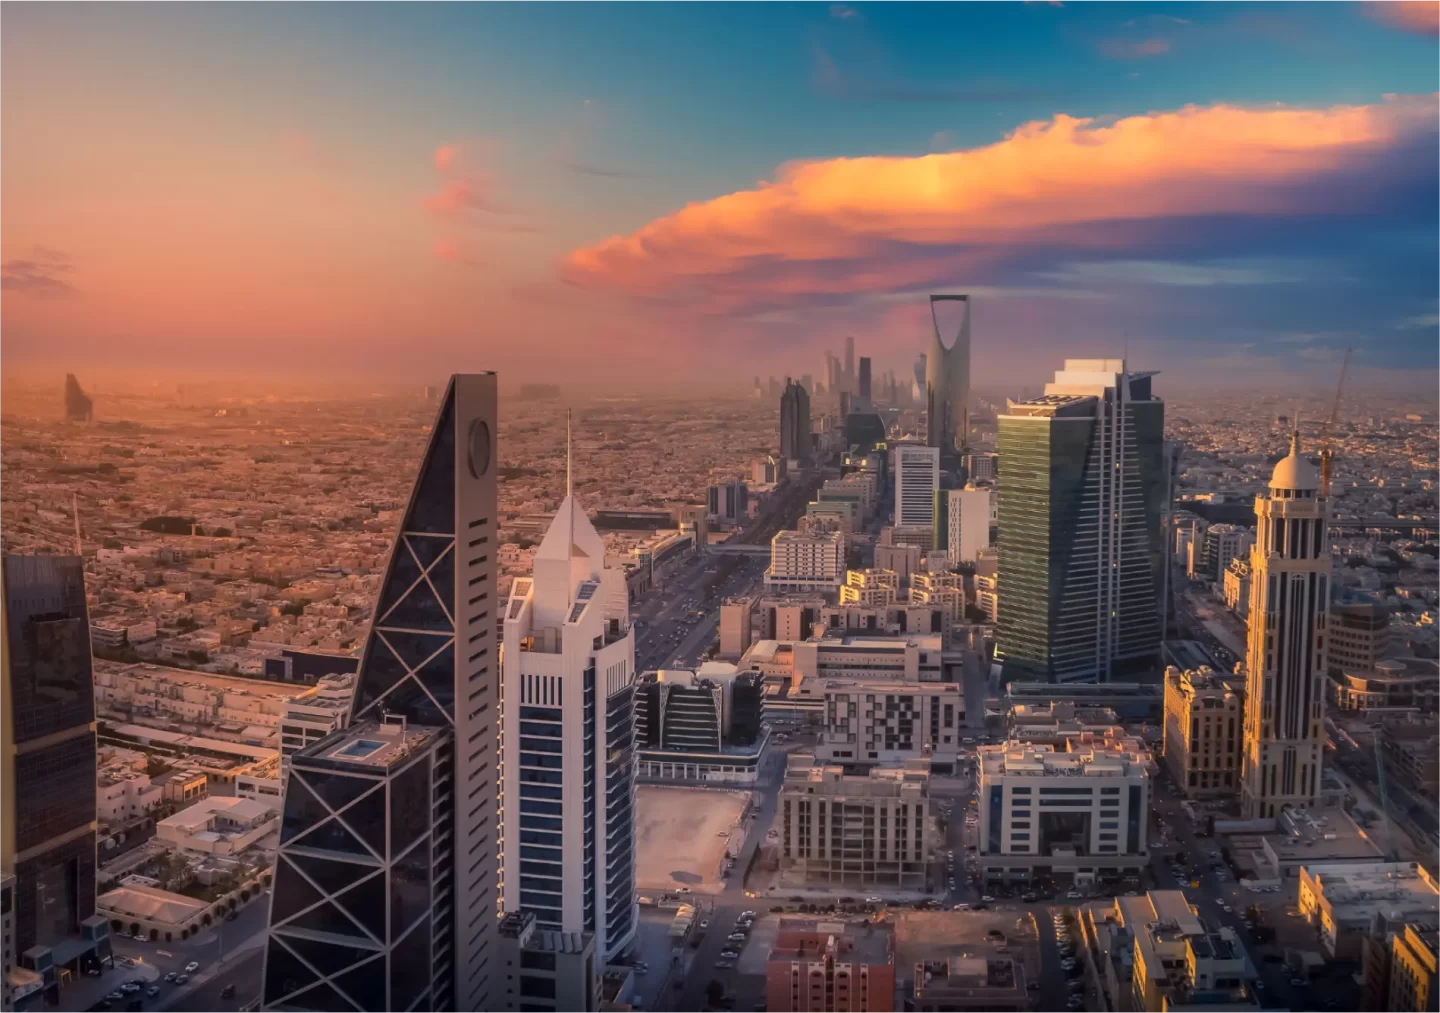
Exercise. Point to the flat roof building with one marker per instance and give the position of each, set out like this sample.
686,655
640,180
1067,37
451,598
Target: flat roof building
824,966
1341,900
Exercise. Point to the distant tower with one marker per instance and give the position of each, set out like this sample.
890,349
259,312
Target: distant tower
795,423
385,884
947,383
1290,564
850,363
569,675
918,391
78,407
864,382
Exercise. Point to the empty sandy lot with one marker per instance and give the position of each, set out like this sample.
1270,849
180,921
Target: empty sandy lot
678,835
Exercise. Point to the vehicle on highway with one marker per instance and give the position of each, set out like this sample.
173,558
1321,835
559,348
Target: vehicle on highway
153,991
730,954
192,967
169,975
228,992
724,964
182,979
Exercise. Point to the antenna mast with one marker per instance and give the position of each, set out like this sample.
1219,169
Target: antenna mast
1327,452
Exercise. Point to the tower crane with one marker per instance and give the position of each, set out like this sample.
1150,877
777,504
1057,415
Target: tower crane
1327,450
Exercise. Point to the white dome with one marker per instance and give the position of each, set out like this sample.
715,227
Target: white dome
1294,471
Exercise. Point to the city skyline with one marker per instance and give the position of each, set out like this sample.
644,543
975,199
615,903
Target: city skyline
314,214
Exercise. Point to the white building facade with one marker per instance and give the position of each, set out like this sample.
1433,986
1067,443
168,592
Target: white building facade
806,562
568,740
917,479
971,512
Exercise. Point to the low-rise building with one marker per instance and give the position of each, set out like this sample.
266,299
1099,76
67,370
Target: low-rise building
136,908
1180,963
858,831
870,722
1357,636
970,983
1079,810
545,969
700,726
263,782
315,713
1390,684
1414,965
1342,900
816,965
122,796
1236,587
219,826
873,587
736,616
1411,746
945,591
1204,718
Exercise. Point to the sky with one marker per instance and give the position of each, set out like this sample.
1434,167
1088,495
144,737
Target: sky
652,193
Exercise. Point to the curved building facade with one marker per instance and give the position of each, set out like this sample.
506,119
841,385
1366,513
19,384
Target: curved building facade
947,383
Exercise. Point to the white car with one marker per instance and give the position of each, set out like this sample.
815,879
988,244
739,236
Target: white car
192,967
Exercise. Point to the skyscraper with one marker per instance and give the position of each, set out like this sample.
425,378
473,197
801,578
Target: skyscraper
1081,490
568,831
1285,657
385,886
864,380
47,766
78,406
947,382
795,423
849,384
917,478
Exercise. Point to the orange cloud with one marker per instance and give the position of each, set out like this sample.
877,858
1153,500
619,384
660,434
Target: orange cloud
829,226
444,155
1420,17
1122,49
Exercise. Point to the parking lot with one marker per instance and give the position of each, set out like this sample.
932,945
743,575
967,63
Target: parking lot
681,835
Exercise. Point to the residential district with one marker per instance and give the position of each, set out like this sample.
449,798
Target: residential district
863,691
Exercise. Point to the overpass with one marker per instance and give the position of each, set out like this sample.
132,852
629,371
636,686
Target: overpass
739,549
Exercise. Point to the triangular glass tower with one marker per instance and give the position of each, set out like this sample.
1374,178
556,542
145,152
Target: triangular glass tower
385,887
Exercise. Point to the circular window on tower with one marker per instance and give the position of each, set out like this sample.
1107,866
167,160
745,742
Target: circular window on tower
479,448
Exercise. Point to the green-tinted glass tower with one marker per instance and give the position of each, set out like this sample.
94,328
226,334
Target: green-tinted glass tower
1081,493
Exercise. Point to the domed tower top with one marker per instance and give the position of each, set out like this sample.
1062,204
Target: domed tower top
1295,472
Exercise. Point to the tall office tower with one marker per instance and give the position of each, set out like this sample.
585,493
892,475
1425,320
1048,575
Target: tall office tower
1080,498
568,840
795,423
808,382
47,768
850,364
917,478
385,886
918,390
947,382
863,384
832,374
1285,656
78,406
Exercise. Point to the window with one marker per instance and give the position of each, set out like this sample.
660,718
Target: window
537,961
1020,837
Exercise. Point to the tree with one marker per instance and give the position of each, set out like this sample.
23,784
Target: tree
198,656
714,992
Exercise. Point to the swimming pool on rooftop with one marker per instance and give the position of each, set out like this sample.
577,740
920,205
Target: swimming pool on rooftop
361,748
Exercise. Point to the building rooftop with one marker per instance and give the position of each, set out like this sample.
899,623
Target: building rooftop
1355,893
1108,753
151,903
372,743
808,939
1317,837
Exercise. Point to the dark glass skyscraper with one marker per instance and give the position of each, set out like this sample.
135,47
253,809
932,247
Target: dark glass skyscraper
795,423
385,891
947,383
1081,490
47,764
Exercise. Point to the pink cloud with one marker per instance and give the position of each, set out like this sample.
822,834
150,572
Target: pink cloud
1419,17
1123,49
837,226
444,155
446,249
467,193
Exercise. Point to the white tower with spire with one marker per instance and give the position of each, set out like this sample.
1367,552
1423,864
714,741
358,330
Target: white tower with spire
568,672
1290,564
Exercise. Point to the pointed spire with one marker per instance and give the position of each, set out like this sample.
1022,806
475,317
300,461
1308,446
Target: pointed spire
1295,439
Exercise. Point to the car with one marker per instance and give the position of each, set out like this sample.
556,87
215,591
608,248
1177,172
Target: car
1299,983
169,975
988,899
641,971
116,996
704,924
874,900
1075,1002
737,937
192,967
1077,985
182,979
129,988
729,954
1068,963
153,991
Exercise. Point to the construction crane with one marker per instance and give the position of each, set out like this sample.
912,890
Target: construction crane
1327,451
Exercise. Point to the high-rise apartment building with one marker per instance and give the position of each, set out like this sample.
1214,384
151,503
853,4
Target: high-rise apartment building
736,616
917,478
1285,655
47,768
1203,723
385,886
569,785
806,562
849,381
875,722
863,380
795,423
1081,492
967,515
947,382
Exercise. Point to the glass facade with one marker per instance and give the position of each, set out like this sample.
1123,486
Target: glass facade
49,700
1080,499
